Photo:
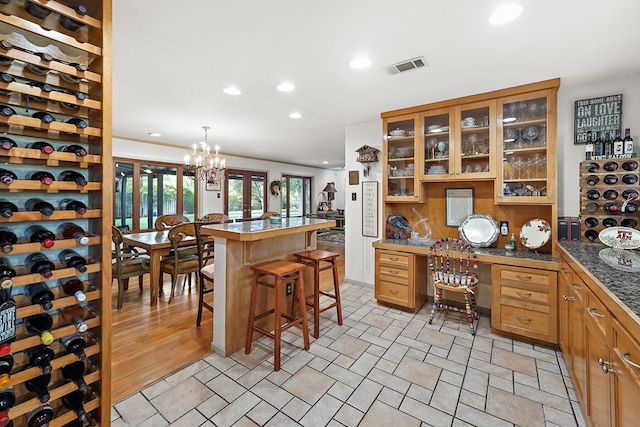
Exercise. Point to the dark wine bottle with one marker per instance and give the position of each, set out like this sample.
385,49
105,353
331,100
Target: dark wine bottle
45,87
73,287
40,417
591,222
36,10
71,259
74,176
6,274
5,421
80,124
74,371
608,144
43,146
40,324
7,111
611,208
78,150
43,176
6,78
593,194
610,166
75,402
630,165
40,386
7,208
618,144
628,142
610,194
73,24
630,194
38,205
7,177
41,294
7,143
41,357
629,178
74,315
44,117
598,145
628,222
74,343
591,235
7,239
631,208
36,233
73,205
79,66
69,230
609,222
38,263
588,151
46,57
6,365
610,179
7,398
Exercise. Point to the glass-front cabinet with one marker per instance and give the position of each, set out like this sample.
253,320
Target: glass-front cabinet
475,138
437,148
401,159
525,127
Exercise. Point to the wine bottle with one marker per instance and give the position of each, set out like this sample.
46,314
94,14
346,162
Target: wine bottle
610,166
74,176
73,24
7,143
78,150
618,144
7,239
73,287
75,402
7,208
79,66
7,398
74,371
41,357
6,365
609,222
6,274
628,141
69,230
6,78
80,124
591,235
36,204
40,386
38,234
598,145
631,208
73,205
630,165
628,222
7,177
71,259
7,111
36,10
43,176
43,146
44,117
593,194
630,194
610,194
38,263
40,417
74,315
74,343
629,178
45,87
46,57
611,207
5,421
41,294
40,324
591,222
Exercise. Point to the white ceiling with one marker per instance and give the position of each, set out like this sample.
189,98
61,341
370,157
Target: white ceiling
172,59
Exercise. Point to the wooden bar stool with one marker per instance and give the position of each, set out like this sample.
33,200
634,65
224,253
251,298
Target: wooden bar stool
314,259
283,272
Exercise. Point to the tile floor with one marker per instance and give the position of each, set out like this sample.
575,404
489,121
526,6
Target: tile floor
383,367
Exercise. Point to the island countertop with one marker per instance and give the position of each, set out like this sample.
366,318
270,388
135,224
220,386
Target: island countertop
250,231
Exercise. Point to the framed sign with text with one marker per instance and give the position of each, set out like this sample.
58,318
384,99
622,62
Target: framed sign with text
603,114
370,208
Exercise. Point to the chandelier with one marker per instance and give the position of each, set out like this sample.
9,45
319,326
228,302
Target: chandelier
202,163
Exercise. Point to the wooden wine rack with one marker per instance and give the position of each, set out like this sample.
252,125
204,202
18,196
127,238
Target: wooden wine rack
596,168
22,38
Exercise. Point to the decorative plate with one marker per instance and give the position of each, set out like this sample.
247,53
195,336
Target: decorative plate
535,233
398,227
620,237
620,259
479,230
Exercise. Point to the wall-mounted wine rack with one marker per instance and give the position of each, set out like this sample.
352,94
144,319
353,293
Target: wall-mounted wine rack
609,191
55,58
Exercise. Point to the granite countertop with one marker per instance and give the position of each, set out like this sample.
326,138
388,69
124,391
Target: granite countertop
262,229
616,269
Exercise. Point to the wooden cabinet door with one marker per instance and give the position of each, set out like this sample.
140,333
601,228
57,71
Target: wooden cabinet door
625,356
402,158
475,141
565,300
577,355
598,381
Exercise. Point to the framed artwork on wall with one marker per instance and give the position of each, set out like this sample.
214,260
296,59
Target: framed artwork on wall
214,181
459,205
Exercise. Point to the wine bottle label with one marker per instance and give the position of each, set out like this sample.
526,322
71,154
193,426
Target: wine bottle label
7,321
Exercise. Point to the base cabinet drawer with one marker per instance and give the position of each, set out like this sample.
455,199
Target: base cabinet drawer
400,279
522,321
393,293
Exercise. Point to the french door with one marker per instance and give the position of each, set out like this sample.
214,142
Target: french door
246,194
296,195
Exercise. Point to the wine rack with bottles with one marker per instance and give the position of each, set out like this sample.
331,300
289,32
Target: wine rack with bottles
55,208
609,195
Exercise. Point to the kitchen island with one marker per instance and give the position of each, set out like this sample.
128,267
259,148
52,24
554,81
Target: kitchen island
237,247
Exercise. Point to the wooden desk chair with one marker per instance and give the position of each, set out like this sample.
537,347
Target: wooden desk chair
183,258
127,262
170,220
453,265
216,217
206,268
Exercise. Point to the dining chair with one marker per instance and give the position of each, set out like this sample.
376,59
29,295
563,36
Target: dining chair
206,268
215,216
183,258
454,265
170,220
268,215
127,262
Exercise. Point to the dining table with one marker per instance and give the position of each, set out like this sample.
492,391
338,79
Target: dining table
157,245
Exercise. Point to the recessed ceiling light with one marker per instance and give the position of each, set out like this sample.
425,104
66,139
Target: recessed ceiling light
360,62
231,90
504,14
286,87
295,115
154,134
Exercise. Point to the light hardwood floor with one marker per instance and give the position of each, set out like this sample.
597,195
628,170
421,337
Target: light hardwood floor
150,343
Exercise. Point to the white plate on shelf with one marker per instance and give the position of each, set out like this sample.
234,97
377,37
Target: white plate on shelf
479,230
620,259
620,237
535,233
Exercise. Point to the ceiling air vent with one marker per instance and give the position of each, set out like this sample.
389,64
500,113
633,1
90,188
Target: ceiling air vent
408,65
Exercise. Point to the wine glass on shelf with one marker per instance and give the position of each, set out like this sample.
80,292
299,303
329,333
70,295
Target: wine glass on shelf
442,146
473,139
432,145
519,164
531,133
533,110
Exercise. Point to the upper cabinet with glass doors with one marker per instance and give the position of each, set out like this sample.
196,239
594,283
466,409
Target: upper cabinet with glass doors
402,159
527,125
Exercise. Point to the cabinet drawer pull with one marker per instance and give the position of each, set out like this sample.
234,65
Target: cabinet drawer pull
393,291
605,366
567,298
593,312
624,357
524,294
523,276
393,271
524,319
394,258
